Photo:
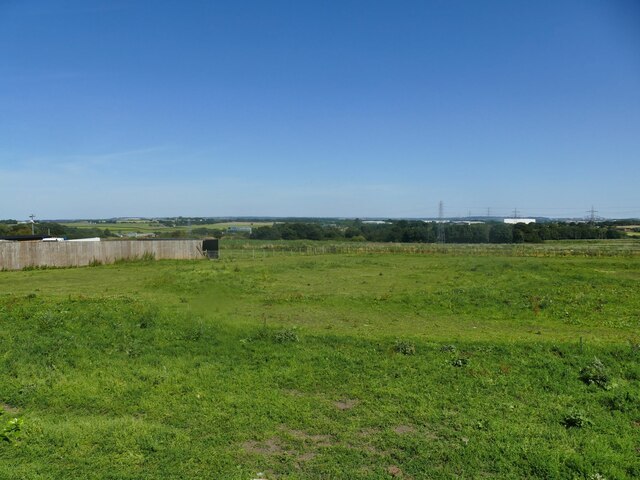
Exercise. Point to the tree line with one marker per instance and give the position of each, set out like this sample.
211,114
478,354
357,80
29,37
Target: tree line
407,231
398,231
51,229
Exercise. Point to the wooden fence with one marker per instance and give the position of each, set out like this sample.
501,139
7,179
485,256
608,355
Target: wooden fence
18,255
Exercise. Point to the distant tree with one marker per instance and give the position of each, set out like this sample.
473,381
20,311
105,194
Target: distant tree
20,229
351,232
51,228
500,233
517,235
266,233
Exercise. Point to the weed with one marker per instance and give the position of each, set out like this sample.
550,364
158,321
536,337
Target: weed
448,348
576,419
404,347
148,257
285,336
95,263
557,350
596,476
11,430
459,362
621,402
482,425
535,304
595,373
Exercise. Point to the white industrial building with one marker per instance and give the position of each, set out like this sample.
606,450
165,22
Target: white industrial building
513,221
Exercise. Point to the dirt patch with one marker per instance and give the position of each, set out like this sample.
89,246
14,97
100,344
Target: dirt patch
368,432
5,407
394,471
315,440
371,449
404,429
431,436
305,457
366,436
277,446
271,446
397,472
346,404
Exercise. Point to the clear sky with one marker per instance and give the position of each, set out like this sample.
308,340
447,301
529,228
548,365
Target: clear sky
319,108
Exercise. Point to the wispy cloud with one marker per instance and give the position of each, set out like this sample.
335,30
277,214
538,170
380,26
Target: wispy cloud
81,162
78,163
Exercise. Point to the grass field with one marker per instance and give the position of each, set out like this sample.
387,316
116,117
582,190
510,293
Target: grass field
374,363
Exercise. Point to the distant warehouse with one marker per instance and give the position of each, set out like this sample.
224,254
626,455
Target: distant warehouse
513,221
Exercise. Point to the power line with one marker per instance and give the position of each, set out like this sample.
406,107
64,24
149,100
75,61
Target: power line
441,235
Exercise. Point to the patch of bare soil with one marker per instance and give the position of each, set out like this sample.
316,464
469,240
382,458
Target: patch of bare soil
404,429
305,457
394,471
271,446
397,472
277,446
5,407
346,404
368,432
315,440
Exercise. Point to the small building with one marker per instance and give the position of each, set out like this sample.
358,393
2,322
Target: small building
211,248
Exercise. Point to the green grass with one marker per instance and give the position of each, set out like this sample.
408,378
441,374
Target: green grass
371,365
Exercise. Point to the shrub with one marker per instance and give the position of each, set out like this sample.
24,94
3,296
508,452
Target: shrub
595,373
404,347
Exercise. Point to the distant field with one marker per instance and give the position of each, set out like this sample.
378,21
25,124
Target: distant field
141,227
150,227
292,360
253,248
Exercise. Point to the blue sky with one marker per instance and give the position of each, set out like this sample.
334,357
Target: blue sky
319,108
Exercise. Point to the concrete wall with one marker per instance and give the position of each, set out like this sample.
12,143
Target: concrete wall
18,255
